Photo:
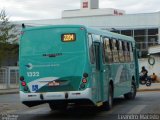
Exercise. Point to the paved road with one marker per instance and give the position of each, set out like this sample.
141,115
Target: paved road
145,103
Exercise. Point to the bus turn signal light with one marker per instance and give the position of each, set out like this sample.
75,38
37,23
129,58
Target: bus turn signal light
21,78
85,75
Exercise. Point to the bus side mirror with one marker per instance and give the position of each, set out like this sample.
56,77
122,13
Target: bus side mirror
23,25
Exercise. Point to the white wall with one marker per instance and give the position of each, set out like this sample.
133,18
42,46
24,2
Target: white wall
151,68
131,21
91,12
125,21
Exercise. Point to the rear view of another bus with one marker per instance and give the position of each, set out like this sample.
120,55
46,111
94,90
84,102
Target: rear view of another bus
52,65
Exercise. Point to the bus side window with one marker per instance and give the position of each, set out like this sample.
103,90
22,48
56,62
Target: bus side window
117,44
128,52
110,44
121,56
115,51
124,50
103,50
131,51
91,49
108,51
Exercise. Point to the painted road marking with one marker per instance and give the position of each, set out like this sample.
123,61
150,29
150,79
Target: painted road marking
37,111
137,109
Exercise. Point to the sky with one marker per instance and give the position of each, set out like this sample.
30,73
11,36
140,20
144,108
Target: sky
51,9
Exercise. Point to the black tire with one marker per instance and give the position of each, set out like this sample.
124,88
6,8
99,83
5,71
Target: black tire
132,94
142,82
148,82
109,104
60,107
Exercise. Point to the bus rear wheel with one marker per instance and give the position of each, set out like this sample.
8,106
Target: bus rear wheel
109,104
132,94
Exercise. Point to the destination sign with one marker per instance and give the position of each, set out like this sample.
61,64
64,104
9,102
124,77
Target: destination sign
68,37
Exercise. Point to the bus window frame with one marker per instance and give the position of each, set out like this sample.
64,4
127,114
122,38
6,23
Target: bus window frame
125,51
132,46
94,36
103,50
117,44
131,52
93,51
128,47
109,53
120,51
115,49
128,53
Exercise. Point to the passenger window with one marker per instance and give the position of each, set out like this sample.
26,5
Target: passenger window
108,51
91,49
125,51
121,55
117,44
115,50
128,52
131,51
103,50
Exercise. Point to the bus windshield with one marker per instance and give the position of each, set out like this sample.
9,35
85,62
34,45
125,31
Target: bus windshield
51,41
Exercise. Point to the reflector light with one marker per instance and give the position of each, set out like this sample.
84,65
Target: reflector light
84,80
23,83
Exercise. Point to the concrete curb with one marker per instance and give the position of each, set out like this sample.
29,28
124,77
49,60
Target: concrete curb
143,90
10,91
153,87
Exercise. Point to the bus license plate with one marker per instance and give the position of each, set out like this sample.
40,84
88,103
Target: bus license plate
53,83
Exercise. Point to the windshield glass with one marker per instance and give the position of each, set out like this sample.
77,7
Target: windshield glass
49,41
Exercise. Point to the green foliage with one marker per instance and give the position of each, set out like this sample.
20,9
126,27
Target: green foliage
8,38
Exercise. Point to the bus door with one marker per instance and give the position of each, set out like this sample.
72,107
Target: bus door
98,70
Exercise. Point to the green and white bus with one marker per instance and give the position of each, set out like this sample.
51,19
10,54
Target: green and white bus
73,64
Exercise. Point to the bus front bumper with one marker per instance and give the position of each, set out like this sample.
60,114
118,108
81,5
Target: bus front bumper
51,96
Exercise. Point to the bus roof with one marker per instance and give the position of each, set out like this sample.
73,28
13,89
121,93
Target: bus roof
89,30
52,26
110,34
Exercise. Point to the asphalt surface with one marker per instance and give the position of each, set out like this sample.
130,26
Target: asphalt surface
146,103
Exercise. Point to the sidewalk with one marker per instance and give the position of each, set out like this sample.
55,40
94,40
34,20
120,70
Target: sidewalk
9,91
153,87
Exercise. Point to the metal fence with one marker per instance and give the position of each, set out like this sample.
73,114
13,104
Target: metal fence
9,77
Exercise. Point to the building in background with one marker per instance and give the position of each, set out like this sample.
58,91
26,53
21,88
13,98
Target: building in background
145,28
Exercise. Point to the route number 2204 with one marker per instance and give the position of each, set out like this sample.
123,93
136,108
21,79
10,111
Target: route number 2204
32,74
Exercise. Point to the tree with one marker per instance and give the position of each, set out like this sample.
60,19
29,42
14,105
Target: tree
8,38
